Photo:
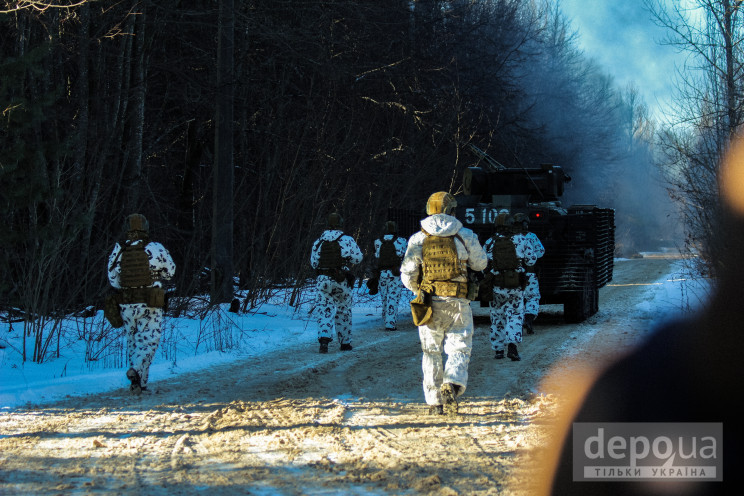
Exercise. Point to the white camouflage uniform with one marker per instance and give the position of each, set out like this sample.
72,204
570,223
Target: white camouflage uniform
333,307
532,291
451,326
390,285
507,307
142,322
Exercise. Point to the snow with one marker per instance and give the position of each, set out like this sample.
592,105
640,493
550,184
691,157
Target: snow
192,343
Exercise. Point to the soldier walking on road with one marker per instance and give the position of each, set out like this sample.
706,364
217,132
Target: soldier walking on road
507,251
435,267
389,252
137,268
333,254
532,290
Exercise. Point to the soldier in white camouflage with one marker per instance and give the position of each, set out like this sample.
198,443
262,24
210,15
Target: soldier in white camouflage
137,268
389,252
435,267
508,254
333,255
532,290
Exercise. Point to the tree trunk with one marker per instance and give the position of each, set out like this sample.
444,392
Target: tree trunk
222,222
728,13
137,119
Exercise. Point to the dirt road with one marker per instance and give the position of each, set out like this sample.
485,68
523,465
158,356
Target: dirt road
304,423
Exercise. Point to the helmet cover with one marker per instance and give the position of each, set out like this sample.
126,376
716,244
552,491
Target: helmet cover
441,203
137,222
503,220
335,221
521,219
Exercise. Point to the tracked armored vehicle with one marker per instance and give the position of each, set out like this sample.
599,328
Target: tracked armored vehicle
579,240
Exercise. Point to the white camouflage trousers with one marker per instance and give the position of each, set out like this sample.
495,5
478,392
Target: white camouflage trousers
143,327
531,295
390,289
507,316
333,309
450,330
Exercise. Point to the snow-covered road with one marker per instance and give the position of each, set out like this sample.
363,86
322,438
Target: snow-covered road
298,422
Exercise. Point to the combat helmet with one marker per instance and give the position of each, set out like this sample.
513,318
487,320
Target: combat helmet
503,220
137,226
441,203
335,221
391,227
521,220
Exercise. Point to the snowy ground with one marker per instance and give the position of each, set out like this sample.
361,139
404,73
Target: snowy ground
276,417
188,344
191,344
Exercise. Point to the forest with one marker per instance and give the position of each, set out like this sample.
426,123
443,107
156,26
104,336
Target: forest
237,127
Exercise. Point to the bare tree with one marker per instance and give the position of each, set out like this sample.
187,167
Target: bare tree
222,222
709,107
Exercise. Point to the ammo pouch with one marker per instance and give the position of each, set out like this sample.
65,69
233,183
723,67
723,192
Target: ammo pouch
152,297
156,298
450,288
510,279
111,310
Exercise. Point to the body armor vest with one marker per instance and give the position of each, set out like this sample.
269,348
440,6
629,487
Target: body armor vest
441,262
330,257
135,266
389,258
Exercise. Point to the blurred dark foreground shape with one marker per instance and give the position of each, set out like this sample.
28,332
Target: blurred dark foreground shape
687,371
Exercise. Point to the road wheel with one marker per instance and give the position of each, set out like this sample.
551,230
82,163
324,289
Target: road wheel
581,305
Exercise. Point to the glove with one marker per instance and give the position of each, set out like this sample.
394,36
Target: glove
373,284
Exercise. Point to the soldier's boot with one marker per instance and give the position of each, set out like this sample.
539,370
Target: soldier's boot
513,353
345,347
449,398
136,386
499,354
529,319
324,344
436,410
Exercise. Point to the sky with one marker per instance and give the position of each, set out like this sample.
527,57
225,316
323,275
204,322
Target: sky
621,36
182,349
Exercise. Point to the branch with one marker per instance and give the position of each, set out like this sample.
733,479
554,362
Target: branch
38,5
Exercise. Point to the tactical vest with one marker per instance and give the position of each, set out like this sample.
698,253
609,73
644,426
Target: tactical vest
135,266
441,264
389,258
504,254
330,254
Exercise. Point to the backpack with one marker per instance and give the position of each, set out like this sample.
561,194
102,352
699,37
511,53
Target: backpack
389,259
330,254
135,266
506,262
504,254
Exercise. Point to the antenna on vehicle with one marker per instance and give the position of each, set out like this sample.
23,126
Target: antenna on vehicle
491,162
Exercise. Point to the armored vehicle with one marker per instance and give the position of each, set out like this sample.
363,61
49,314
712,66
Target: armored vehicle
579,240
